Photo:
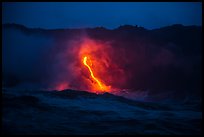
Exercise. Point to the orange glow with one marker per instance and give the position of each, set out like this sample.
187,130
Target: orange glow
89,65
62,86
100,86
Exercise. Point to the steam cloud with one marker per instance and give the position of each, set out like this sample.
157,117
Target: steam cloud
134,59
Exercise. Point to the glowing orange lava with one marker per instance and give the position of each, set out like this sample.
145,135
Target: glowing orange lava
100,86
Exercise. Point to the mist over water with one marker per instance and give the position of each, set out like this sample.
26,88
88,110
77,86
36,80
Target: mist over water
102,68
154,78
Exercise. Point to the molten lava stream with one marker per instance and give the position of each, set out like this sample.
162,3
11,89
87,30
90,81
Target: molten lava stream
101,86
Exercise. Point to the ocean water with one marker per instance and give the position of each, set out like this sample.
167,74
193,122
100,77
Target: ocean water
72,112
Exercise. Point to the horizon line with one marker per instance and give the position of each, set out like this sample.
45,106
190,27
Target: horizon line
136,26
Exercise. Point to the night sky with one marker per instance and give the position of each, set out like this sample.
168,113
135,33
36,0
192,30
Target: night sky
51,15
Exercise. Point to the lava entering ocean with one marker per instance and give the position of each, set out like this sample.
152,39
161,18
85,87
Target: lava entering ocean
90,65
99,85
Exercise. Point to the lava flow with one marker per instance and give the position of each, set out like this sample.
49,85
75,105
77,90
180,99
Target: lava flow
100,86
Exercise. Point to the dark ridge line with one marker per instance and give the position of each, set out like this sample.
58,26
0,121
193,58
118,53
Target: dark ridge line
121,27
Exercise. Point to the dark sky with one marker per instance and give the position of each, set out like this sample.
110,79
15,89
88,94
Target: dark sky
107,14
